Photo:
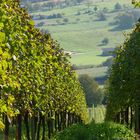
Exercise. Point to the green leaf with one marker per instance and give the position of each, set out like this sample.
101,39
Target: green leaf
2,36
31,22
1,25
1,52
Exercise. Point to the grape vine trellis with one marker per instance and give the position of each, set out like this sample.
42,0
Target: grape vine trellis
37,84
124,83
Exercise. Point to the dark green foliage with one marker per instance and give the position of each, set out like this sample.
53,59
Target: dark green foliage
105,41
58,15
123,91
125,20
95,8
75,132
108,62
101,16
78,1
105,10
65,20
103,131
118,6
112,131
40,24
78,67
42,17
78,13
93,94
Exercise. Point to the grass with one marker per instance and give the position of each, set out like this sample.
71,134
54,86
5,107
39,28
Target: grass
85,36
93,72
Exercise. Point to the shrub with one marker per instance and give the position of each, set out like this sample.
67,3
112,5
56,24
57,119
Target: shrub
40,24
108,62
74,132
42,17
95,8
101,16
111,131
92,131
105,10
125,20
58,21
78,13
65,20
58,15
105,41
93,94
88,12
118,6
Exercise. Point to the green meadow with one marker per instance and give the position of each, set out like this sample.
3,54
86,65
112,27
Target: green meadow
94,72
83,32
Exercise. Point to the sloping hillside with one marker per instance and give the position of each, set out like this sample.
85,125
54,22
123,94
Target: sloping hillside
85,29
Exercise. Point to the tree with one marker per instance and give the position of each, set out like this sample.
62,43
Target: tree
136,3
65,20
125,20
40,24
79,1
95,8
93,94
105,41
118,6
101,16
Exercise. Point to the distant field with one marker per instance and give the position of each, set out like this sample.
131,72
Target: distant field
94,72
83,32
97,113
86,59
